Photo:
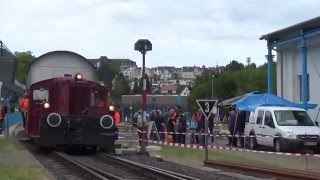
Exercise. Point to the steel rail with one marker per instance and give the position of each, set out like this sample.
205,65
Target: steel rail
79,165
154,170
173,173
278,172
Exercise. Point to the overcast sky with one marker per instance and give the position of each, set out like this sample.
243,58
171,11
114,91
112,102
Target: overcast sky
183,33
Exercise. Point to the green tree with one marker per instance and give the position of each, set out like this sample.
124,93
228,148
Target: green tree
234,66
135,88
108,70
24,60
231,83
120,88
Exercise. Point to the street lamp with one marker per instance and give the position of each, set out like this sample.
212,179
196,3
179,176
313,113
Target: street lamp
143,45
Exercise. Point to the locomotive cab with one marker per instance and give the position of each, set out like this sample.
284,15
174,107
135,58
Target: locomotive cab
71,111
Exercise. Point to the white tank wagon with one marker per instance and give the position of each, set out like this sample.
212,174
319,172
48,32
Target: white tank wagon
58,64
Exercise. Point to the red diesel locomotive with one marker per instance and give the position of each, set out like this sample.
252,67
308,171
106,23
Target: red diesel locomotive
70,111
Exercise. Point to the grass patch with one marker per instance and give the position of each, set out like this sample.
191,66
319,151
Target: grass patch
10,144
196,157
21,172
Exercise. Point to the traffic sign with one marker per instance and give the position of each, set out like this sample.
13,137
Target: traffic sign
207,105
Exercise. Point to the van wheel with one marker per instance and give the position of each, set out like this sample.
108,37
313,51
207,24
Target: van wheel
278,146
253,143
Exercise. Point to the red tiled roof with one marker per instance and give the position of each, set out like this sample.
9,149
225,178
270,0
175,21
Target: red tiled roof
170,87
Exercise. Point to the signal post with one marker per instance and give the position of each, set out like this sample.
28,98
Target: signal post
206,106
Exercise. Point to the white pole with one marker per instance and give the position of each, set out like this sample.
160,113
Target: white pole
212,87
0,89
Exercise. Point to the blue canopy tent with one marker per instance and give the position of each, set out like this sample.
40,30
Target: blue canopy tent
230,102
252,100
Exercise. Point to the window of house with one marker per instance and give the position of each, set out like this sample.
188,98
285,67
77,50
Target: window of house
300,87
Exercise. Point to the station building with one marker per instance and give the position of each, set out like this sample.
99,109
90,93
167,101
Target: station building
297,62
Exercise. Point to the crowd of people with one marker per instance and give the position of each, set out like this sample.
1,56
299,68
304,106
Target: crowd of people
173,126
11,107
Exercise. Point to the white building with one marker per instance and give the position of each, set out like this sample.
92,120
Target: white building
197,71
165,74
138,72
298,52
191,72
163,82
188,75
186,82
129,73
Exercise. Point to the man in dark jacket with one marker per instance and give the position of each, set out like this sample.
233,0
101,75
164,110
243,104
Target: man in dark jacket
181,127
232,126
241,123
158,120
171,123
211,126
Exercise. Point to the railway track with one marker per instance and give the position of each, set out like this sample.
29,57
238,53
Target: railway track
146,168
277,173
103,166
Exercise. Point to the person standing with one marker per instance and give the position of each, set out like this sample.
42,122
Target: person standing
24,105
211,126
240,125
117,118
181,128
232,126
2,116
13,100
171,123
193,128
159,121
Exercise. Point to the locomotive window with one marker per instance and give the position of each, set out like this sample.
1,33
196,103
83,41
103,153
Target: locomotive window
40,96
98,99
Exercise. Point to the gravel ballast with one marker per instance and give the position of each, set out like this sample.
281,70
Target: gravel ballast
208,173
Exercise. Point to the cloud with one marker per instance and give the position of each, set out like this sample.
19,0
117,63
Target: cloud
182,32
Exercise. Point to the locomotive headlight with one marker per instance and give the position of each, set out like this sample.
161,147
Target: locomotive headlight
79,76
46,105
111,108
106,122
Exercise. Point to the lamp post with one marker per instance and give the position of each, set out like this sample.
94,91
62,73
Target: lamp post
143,45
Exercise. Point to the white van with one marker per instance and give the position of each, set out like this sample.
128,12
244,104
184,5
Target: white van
282,128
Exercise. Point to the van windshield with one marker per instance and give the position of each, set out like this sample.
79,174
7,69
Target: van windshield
293,118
